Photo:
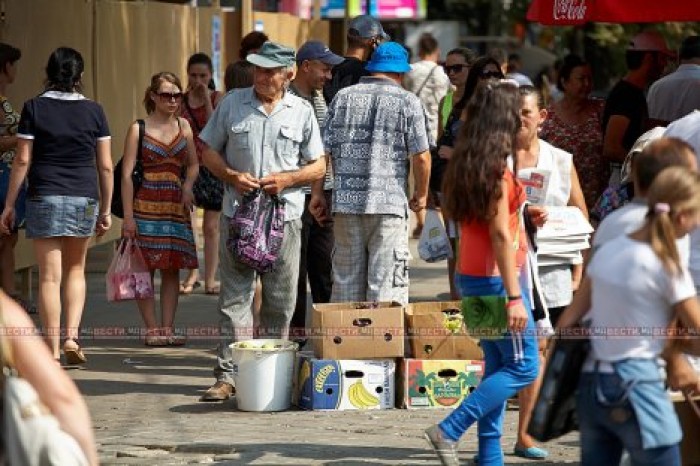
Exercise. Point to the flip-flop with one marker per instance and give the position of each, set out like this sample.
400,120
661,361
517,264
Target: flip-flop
188,288
532,453
213,290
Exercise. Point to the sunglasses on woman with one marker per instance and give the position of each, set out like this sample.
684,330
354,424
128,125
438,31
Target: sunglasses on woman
169,95
454,68
491,74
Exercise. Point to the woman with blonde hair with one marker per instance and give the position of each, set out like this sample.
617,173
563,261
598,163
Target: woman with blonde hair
636,282
157,215
63,150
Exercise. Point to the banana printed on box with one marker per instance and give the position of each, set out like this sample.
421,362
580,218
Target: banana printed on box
327,384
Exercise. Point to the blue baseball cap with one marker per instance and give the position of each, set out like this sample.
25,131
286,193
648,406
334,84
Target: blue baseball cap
389,57
317,50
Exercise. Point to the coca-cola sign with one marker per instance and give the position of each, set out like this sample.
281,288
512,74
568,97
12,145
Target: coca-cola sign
569,10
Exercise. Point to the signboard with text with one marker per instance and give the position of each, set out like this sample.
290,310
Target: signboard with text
382,9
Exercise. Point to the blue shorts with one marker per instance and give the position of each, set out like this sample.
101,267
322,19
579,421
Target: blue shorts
52,216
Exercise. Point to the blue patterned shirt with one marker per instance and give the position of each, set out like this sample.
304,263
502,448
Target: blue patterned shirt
371,131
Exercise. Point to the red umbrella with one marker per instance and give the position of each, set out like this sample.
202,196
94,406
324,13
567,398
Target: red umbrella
568,12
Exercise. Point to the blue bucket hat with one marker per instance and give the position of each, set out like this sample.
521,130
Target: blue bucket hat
389,57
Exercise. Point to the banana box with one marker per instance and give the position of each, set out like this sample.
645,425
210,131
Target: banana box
329,384
436,383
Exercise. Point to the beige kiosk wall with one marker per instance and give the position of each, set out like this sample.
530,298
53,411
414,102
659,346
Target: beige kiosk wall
131,42
124,43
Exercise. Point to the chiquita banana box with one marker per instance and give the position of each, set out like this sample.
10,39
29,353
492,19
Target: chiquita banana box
345,384
436,383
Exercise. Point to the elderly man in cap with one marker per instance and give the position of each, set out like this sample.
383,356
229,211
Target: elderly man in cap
314,64
365,33
372,131
271,141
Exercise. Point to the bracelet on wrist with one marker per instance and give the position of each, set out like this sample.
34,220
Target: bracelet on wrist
513,303
106,214
514,297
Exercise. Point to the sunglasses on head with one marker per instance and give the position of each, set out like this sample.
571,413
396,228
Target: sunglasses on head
491,74
455,68
169,95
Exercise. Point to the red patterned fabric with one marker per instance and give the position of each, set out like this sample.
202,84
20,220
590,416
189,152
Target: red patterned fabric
585,142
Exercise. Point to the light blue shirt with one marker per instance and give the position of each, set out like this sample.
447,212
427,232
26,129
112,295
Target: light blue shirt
260,144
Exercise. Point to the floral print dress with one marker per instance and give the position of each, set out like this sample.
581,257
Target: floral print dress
9,119
585,142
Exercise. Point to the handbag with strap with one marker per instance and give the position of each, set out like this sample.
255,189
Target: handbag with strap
136,175
208,190
32,435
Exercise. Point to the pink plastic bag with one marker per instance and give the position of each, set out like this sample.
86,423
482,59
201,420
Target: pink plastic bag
128,276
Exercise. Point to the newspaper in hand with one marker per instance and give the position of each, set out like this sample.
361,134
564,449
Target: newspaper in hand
535,181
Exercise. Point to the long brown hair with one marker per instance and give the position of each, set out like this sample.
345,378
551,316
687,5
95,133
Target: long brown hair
472,182
156,80
675,191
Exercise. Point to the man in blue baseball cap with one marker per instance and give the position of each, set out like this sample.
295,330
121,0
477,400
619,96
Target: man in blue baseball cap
314,64
372,131
364,34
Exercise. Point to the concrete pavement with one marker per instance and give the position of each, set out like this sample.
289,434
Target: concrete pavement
144,401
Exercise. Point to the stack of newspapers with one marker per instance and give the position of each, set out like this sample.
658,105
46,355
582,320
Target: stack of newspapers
563,237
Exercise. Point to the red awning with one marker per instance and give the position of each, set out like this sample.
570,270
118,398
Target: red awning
568,12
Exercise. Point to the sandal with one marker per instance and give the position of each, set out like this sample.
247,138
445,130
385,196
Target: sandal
188,288
216,289
154,338
176,340
74,356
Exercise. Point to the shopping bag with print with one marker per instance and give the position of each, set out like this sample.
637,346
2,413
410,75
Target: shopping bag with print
128,276
434,244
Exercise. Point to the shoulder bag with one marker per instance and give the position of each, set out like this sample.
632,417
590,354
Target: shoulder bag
136,175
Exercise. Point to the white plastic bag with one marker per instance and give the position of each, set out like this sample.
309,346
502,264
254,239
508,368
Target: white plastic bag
434,245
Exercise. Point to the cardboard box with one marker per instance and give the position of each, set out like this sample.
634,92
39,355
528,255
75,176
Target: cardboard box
436,384
325,384
690,423
358,330
428,337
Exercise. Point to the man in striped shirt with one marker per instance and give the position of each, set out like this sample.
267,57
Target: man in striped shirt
314,64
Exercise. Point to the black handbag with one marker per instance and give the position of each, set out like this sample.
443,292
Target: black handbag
554,413
136,175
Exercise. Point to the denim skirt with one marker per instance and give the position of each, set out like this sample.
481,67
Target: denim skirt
52,216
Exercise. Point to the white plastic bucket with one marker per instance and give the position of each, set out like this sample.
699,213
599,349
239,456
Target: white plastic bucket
263,371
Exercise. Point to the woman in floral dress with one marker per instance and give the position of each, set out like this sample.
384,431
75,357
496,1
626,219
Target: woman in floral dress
574,125
159,216
9,119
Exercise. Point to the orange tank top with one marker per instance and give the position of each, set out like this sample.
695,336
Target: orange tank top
476,256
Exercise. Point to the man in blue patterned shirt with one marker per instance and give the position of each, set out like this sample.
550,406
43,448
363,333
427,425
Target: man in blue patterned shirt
373,131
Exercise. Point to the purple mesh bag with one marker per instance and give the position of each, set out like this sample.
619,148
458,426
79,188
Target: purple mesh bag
256,231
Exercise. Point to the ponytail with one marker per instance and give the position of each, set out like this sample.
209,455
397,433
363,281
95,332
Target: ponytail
674,192
662,237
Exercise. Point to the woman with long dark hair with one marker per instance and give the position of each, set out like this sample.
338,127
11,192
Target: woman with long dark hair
63,150
198,104
482,194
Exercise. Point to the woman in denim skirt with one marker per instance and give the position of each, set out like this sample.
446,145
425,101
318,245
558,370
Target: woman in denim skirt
636,285
63,151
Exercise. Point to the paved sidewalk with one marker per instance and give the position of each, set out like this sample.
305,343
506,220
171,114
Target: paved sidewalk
145,409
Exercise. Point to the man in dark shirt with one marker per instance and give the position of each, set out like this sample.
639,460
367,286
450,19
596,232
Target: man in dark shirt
365,33
625,115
